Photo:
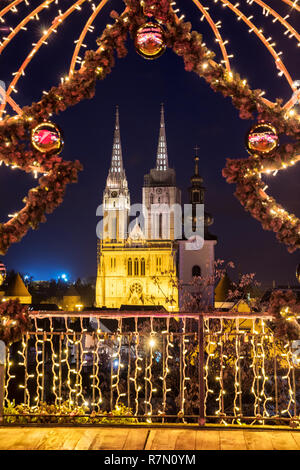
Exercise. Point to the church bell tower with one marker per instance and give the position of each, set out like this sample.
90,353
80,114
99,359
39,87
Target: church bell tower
116,198
160,192
197,196
193,262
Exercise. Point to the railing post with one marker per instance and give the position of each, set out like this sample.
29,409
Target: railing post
2,373
201,370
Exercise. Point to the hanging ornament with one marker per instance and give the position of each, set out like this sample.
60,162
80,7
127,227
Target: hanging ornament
298,272
46,138
150,41
262,139
158,9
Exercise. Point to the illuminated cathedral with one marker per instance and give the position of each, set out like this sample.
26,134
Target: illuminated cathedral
144,263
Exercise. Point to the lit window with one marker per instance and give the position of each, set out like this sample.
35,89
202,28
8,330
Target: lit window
136,267
129,267
143,267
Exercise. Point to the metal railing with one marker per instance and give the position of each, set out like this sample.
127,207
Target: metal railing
151,367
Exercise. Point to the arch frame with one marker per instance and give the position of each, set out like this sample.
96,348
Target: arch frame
197,58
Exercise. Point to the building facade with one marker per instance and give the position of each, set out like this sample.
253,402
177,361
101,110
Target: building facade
146,264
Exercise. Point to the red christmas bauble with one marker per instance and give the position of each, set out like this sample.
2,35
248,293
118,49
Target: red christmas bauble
150,41
46,138
262,139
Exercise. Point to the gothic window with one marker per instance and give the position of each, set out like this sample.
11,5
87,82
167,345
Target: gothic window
112,263
143,267
151,198
129,270
160,226
158,264
136,267
196,271
196,196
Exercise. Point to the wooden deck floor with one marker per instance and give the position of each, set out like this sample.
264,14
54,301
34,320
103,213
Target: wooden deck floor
111,438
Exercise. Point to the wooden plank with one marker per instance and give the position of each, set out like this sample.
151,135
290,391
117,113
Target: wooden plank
136,439
258,440
87,439
163,439
232,440
27,439
150,439
71,439
208,439
186,440
53,438
283,440
22,438
110,439
296,436
9,437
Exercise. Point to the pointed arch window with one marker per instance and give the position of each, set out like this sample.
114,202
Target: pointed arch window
129,267
158,264
113,264
160,225
136,267
143,267
196,196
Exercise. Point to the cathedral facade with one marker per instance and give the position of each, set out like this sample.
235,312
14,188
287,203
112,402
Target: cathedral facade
145,261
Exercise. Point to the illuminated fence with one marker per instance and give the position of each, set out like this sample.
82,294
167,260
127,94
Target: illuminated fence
96,367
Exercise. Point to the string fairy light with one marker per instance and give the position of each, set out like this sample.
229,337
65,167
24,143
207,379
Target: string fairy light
237,409
76,59
57,22
21,26
183,377
226,345
87,27
261,36
166,367
148,374
277,17
137,368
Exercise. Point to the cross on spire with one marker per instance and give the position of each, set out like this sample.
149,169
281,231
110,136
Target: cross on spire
196,160
162,152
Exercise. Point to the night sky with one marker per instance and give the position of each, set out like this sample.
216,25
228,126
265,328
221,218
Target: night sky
194,114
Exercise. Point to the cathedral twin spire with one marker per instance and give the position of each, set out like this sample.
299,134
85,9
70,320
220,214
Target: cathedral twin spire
162,152
116,167
116,171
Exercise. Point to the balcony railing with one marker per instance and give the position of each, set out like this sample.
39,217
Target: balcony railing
135,367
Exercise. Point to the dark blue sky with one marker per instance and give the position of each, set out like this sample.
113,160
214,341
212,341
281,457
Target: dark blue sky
194,115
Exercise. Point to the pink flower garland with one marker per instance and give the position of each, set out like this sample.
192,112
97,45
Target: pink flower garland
285,326
14,321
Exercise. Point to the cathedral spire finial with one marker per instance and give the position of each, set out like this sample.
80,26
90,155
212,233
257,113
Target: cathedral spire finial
116,167
162,114
196,160
162,153
117,125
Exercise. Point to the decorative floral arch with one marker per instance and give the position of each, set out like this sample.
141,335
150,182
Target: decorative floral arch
15,149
